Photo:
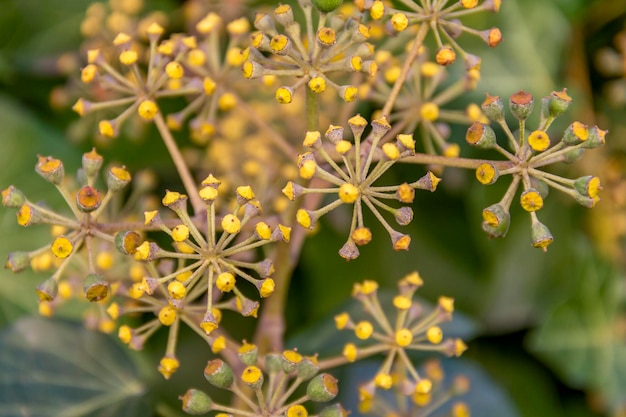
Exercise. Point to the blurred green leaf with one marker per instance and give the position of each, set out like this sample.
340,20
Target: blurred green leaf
534,33
485,397
54,368
583,337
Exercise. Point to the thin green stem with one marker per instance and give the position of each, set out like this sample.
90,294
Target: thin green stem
181,166
417,43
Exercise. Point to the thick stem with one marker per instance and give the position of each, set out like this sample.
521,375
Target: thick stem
183,170
428,159
271,326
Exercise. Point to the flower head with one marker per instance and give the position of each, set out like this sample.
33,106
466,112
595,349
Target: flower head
352,175
444,22
312,54
530,152
413,328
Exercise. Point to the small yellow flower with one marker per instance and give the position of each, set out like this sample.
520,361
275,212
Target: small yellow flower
402,242
167,315
106,128
341,320
128,57
326,37
434,335
104,260
245,192
252,375
423,386
350,352
231,224
180,233
304,218
486,173
594,187
445,56
219,344
460,409
208,194
348,193
391,151
531,200
88,73
24,215
136,291
176,290
451,150
399,21
279,44
429,111
539,140
404,337
363,330
174,70
383,381
377,11
469,4
349,93
209,86
147,109
317,84
402,302
307,169
61,247
296,411
125,333
284,95
362,236
267,288
446,303
459,347
168,366
225,282
263,230
580,130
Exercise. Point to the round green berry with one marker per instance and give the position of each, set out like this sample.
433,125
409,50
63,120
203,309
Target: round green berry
326,6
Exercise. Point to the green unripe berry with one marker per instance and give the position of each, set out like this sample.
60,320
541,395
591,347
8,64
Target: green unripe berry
326,6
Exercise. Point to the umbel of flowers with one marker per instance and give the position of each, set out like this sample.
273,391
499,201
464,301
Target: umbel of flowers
353,174
182,66
75,235
529,152
442,19
412,329
206,264
266,386
420,103
310,54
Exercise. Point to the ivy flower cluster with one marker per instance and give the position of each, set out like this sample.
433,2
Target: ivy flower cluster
353,181
419,103
414,329
272,380
181,66
442,19
77,234
201,268
309,54
442,393
532,151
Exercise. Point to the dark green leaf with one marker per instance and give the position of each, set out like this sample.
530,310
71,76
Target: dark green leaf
583,338
55,368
